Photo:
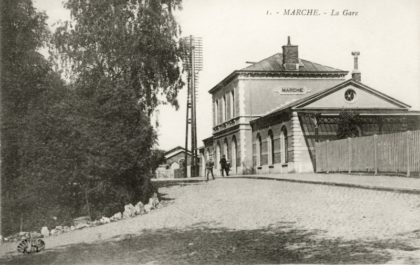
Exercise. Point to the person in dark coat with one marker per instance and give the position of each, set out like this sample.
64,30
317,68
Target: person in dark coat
223,166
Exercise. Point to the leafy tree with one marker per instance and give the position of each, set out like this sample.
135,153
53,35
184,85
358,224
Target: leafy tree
85,147
28,88
348,124
129,43
157,158
124,60
49,155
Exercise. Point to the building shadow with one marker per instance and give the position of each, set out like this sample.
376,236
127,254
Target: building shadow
200,244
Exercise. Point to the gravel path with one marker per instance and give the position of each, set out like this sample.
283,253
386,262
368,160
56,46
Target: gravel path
251,221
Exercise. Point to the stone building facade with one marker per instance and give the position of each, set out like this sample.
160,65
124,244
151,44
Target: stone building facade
174,164
267,116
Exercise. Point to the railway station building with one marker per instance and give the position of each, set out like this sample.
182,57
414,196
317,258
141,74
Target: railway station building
268,116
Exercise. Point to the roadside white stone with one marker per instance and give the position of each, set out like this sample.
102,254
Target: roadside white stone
34,234
72,228
139,208
104,220
53,232
81,226
153,201
147,208
116,217
45,232
129,211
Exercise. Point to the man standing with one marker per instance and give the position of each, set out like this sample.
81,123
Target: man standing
209,167
223,166
227,168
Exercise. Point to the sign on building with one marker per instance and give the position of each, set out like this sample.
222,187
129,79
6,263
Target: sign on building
292,90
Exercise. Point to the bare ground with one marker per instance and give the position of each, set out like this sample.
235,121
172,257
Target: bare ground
231,221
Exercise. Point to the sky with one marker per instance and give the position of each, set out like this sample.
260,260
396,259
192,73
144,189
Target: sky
385,32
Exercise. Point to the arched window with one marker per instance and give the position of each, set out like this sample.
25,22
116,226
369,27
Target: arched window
181,162
224,109
217,156
226,149
207,155
259,150
232,104
284,145
270,147
234,154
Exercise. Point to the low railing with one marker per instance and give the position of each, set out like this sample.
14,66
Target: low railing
388,153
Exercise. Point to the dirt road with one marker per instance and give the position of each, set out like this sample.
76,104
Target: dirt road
230,221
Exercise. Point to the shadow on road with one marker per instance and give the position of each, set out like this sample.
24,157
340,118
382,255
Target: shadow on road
203,245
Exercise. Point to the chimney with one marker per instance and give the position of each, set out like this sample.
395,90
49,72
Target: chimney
290,56
356,75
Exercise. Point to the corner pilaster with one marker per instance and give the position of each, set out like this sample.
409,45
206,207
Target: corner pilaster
300,152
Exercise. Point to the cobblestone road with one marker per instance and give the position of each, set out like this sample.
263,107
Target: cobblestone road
252,221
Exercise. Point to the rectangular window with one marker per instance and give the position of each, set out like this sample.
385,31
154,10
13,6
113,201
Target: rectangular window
224,109
232,105
216,113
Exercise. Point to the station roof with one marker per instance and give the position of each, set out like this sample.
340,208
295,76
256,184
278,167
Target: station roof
275,63
273,66
299,103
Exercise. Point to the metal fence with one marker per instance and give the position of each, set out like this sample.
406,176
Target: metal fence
388,153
